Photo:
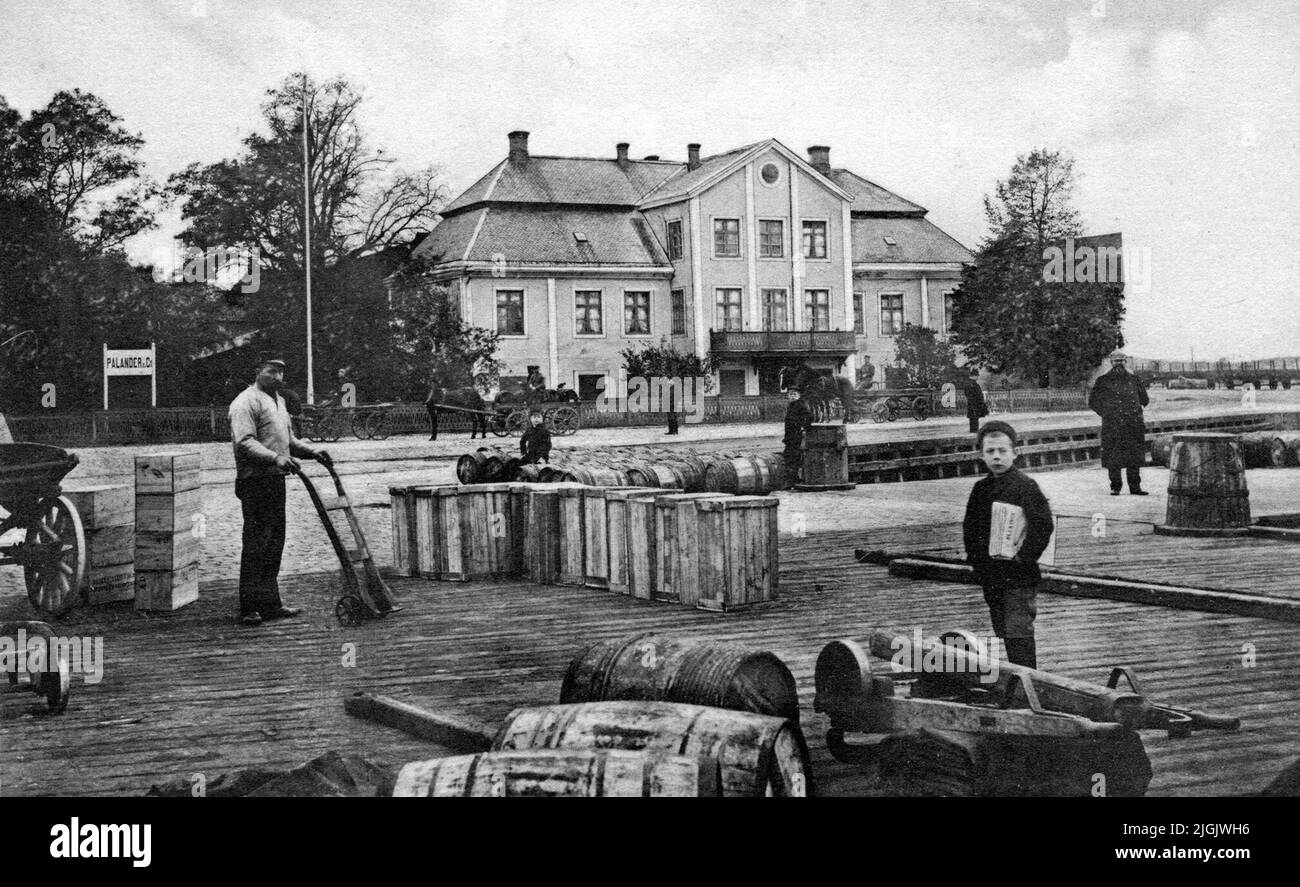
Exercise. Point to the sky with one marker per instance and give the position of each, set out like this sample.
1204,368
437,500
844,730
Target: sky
1183,117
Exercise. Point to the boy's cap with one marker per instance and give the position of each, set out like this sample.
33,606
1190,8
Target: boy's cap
997,426
1117,355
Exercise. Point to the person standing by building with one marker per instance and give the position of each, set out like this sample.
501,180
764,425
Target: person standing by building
1118,397
1010,580
797,419
976,408
265,450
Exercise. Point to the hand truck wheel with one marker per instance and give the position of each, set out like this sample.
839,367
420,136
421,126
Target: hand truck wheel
350,611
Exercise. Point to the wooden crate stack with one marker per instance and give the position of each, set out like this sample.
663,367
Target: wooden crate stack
714,551
168,538
107,516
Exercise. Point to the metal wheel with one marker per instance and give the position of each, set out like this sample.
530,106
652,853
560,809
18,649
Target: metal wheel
358,424
516,422
879,411
891,412
562,420
349,611
377,425
331,427
56,685
54,556
921,409
498,424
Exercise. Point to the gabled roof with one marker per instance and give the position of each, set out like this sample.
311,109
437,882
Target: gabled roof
577,180
915,240
523,235
870,197
689,183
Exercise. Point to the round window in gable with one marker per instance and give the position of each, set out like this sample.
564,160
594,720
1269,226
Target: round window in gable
770,173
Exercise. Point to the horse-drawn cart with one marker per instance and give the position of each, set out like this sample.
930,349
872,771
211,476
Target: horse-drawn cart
52,551
324,423
888,406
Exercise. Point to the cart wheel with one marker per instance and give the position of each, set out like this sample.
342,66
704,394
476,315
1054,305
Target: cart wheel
920,409
360,426
56,686
55,571
349,611
330,428
891,412
516,422
377,425
879,411
500,424
562,420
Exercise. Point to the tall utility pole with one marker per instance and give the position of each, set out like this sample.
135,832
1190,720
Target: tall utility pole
306,236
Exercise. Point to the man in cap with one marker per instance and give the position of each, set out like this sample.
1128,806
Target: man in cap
1118,397
265,450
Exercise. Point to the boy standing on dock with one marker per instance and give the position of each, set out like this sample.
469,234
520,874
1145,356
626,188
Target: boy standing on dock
535,444
1007,527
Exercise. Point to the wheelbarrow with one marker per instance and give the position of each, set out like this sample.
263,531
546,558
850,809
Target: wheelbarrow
52,551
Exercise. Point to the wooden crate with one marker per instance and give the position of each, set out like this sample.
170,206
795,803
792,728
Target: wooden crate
168,512
542,544
738,552
437,533
166,589
487,549
105,585
102,506
167,472
167,551
571,535
402,500
110,547
677,546
642,552
616,535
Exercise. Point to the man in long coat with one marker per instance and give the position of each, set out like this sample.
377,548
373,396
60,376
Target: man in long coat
1118,397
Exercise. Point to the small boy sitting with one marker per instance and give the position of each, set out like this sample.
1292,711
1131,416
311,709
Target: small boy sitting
1009,583
535,445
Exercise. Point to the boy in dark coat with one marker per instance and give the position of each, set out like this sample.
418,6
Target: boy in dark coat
535,445
1009,584
1118,397
797,419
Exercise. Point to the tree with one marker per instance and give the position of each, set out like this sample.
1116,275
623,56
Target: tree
927,358
362,207
664,361
1006,316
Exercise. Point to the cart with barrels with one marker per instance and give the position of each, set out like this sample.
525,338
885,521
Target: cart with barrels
52,550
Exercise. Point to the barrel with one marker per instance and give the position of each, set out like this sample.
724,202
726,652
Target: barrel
561,773
691,470
639,473
748,475
668,476
1162,446
826,457
760,754
1255,449
1273,449
471,467
598,476
1207,486
529,473
650,666
500,466
548,474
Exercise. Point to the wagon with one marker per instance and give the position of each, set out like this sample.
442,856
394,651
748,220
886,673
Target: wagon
887,406
52,551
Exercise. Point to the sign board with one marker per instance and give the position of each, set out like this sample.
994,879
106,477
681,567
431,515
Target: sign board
132,362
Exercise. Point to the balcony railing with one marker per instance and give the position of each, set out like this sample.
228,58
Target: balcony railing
802,341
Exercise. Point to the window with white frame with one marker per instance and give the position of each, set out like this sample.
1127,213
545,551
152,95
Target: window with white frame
679,312
726,238
776,312
771,239
510,312
636,313
674,237
817,309
814,239
891,314
587,319
729,318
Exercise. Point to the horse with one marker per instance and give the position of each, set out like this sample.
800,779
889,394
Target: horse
467,398
819,391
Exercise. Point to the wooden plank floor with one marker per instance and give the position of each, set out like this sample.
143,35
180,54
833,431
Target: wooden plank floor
193,693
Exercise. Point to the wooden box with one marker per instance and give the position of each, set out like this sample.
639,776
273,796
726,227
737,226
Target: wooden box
166,589
110,547
437,539
102,506
404,545
108,584
642,551
167,551
616,535
487,550
595,538
571,532
542,544
168,512
739,564
167,472
677,546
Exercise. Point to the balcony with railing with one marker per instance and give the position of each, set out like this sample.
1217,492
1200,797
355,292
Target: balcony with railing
782,342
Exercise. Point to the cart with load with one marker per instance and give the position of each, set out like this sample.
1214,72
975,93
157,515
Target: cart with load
52,550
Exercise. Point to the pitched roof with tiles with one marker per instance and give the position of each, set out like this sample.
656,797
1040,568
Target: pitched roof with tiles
526,236
681,183
870,197
580,180
914,240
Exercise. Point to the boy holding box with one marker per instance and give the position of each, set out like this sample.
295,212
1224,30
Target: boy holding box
1007,527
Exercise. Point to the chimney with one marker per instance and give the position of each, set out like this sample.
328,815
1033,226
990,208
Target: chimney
693,155
652,157
621,148
518,146
820,158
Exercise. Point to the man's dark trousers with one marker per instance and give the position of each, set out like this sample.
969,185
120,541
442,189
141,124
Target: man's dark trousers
262,500
1134,477
974,424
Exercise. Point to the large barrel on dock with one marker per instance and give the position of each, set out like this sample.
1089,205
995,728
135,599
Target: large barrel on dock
530,473
650,666
1255,448
597,476
1207,486
500,466
655,474
471,467
748,475
1162,447
760,754
561,773
640,474
1270,449
691,470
